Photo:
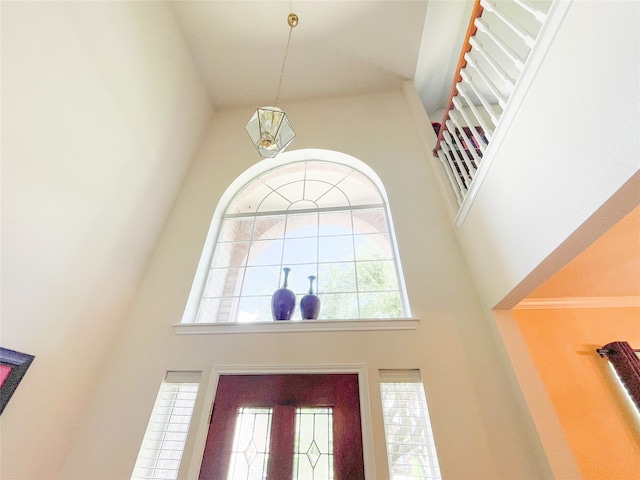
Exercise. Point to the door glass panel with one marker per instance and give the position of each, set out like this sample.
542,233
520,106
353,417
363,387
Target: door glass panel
250,451
313,448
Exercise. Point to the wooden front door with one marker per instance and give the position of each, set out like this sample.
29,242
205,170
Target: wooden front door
283,395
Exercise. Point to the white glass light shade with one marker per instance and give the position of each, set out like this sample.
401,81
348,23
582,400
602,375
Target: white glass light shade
270,131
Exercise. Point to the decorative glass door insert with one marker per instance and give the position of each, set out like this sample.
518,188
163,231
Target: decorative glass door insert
313,448
250,451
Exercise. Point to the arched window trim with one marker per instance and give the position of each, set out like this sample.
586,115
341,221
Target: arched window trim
187,326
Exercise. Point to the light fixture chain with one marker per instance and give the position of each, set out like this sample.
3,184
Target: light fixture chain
284,63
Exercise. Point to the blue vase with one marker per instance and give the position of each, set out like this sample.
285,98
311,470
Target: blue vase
283,300
310,303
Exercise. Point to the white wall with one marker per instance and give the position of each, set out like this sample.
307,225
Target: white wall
102,111
568,167
480,427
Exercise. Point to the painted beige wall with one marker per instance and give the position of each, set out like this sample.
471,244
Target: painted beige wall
477,414
600,424
98,129
572,147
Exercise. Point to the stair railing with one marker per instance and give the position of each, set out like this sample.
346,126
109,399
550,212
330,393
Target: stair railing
499,39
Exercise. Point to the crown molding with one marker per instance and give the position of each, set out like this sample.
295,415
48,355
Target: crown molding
578,302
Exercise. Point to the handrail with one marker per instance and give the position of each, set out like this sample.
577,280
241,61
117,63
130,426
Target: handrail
499,38
462,62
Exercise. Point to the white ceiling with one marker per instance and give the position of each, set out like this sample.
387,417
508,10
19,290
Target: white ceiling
338,48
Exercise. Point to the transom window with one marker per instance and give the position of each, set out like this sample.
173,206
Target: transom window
318,218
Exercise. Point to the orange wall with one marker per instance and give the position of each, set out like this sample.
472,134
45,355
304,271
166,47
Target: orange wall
602,428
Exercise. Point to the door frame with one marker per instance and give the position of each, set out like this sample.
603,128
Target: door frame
202,426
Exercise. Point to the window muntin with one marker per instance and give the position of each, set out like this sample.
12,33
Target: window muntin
318,218
411,450
305,185
164,440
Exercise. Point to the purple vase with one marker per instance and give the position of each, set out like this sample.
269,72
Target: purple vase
283,300
310,303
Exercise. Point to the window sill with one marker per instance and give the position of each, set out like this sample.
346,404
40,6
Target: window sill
296,326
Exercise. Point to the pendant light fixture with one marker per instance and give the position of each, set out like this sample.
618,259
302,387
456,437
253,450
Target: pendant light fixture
269,128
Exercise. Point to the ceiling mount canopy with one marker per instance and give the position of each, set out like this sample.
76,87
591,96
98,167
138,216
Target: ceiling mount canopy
269,128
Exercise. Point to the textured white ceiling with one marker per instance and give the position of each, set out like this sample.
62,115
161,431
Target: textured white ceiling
338,48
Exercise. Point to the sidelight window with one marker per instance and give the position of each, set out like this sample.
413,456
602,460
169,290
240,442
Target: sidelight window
411,450
164,440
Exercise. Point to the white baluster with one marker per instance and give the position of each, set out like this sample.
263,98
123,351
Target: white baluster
470,147
517,61
538,14
457,188
457,172
461,150
457,158
481,142
482,78
506,78
494,115
521,32
471,62
460,112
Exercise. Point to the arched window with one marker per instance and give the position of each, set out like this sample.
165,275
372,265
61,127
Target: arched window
318,218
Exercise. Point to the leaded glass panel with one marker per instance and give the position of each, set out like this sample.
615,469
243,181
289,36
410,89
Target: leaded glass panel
313,445
250,451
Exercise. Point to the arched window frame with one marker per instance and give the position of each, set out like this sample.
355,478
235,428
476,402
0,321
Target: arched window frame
189,324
